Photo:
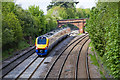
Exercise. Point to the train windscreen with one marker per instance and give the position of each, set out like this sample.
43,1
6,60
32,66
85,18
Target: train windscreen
41,40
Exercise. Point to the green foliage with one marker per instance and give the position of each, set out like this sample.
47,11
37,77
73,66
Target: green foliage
39,19
82,13
57,12
23,45
67,10
0,27
12,30
93,59
51,23
62,13
68,13
8,7
34,10
79,33
62,4
19,25
102,27
7,53
8,36
26,21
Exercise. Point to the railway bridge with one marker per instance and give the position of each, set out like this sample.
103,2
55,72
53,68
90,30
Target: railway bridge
77,22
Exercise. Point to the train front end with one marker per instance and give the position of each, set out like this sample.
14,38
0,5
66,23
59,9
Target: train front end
41,45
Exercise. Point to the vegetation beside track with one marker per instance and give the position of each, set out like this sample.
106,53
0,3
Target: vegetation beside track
103,29
95,58
20,27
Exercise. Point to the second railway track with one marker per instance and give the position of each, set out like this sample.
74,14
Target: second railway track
9,65
58,68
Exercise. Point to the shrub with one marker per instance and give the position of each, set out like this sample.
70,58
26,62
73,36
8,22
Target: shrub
102,27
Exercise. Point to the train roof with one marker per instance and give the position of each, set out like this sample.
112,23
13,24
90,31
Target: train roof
42,37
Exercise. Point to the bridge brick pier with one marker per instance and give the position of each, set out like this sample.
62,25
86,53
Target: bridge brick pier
77,22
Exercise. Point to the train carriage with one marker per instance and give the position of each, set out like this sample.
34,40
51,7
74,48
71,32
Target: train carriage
41,45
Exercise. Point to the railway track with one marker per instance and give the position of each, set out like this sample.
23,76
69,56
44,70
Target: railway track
56,68
8,61
15,57
30,65
33,63
11,64
15,62
77,62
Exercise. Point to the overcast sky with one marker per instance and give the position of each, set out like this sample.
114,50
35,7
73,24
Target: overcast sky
44,3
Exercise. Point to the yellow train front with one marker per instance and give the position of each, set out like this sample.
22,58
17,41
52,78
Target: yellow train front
41,45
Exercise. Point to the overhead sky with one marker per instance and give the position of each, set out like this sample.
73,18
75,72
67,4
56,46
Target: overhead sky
44,3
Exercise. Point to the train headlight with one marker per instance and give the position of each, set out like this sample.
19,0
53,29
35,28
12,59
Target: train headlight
36,47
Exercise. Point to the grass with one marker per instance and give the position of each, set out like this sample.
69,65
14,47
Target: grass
95,61
93,56
79,33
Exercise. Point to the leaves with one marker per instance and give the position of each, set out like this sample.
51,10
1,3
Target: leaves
62,4
102,27
19,24
11,28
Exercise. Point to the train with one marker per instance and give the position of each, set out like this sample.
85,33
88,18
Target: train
42,44
44,41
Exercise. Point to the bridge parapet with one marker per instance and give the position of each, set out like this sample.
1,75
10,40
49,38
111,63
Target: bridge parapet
77,22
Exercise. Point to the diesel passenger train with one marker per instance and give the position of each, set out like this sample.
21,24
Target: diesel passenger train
41,45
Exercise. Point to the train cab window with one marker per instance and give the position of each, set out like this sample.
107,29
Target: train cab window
41,40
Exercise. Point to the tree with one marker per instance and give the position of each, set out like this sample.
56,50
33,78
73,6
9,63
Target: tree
12,30
63,3
8,7
62,13
39,18
103,27
82,13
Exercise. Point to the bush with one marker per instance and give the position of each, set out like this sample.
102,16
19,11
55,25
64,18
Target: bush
18,25
23,45
12,30
102,27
